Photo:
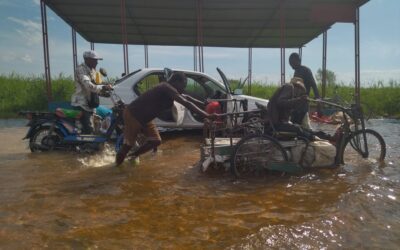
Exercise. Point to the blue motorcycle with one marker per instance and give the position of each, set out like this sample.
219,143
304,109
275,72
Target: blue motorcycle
59,130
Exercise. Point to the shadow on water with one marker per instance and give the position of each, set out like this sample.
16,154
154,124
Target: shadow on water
69,200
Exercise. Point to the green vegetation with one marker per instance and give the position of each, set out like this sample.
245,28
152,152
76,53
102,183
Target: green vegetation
29,93
383,99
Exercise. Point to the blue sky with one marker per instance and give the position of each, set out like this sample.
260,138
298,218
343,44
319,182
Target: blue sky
21,49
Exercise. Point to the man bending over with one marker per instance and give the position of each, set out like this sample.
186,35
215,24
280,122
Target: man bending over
138,115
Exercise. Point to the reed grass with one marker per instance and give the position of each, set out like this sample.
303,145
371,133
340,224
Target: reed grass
29,93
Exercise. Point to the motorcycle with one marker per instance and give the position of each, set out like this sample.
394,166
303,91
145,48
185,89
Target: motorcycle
59,130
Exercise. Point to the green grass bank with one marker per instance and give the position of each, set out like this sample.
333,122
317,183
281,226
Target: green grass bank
29,93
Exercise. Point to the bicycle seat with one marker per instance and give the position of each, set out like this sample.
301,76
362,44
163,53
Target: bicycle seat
68,113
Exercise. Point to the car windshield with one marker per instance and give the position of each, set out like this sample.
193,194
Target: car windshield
134,73
201,87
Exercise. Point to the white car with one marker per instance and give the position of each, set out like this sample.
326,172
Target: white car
199,86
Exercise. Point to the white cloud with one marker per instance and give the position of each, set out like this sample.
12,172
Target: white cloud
30,31
29,24
17,56
7,56
27,58
370,76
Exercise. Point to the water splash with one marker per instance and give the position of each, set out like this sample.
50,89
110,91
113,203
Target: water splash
105,157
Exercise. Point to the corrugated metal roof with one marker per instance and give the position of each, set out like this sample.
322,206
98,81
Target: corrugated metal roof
225,23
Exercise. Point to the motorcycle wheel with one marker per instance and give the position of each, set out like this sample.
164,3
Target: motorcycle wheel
42,140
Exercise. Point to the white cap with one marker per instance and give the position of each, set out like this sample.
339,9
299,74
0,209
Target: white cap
92,54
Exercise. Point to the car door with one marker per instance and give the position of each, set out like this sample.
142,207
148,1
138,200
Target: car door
202,87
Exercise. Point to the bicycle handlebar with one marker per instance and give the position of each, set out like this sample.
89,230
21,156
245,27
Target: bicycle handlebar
353,111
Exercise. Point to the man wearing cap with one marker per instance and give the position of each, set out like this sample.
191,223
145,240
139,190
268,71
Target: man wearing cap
85,75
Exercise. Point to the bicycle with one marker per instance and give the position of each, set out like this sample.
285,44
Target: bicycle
273,150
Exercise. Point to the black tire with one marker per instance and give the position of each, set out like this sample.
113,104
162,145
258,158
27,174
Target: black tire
253,154
42,141
354,150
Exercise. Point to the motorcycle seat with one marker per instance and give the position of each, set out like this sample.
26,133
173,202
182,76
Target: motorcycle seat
68,113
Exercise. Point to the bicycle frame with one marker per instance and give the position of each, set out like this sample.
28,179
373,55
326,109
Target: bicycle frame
355,113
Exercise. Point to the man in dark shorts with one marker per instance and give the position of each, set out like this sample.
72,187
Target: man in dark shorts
138,115
301,71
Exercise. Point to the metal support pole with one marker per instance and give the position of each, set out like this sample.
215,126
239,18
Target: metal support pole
46,50
74,50
283,63
126,59
199,7
146,56
124,37
202,58
250,66
91,46
194,58
283,42
357,56
301,52
324,50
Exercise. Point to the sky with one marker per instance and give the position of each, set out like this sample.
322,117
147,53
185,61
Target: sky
21,48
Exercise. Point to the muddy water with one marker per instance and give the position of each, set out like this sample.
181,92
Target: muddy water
68,200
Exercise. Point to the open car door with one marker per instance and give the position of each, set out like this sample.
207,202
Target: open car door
225,81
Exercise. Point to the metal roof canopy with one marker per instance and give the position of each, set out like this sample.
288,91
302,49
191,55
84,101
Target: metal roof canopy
222,23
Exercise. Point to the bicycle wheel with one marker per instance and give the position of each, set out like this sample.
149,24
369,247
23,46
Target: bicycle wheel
356,151
254,154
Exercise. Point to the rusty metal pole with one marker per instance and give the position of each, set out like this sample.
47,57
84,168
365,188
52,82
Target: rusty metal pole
250,67
357,56
282,42
324,50
301,52
199,8
146,56
74,51
194,58
46,51
124,37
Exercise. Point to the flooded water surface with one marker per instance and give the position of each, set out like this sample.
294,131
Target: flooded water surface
69,200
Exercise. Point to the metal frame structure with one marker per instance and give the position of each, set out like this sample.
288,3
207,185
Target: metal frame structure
124,37
46,50
250,69
324,54
198,48
74,50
